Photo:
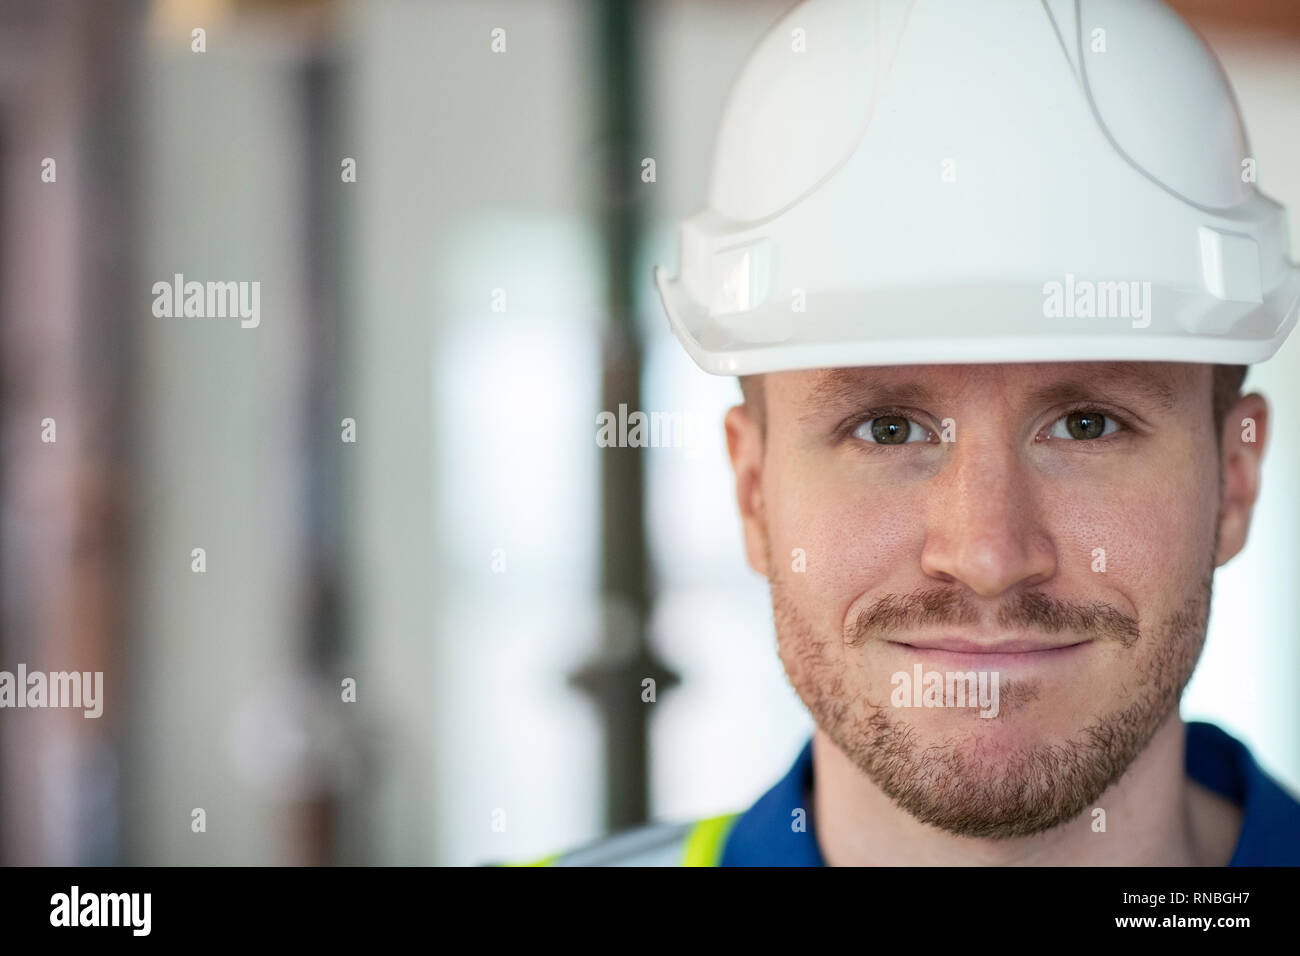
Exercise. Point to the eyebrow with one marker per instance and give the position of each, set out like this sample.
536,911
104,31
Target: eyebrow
845,386
1149,384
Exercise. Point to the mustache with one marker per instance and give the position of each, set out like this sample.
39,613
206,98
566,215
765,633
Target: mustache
1028,609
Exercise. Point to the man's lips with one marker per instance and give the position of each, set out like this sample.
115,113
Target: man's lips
959,645
963,654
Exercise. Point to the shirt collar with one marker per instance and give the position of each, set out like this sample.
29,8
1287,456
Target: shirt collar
778,830
1270,821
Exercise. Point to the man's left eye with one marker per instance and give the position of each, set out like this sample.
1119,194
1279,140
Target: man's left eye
1084,426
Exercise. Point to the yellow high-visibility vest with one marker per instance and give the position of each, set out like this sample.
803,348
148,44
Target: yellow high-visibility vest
699,843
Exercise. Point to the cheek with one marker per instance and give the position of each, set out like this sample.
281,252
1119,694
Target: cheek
1146,533
854,539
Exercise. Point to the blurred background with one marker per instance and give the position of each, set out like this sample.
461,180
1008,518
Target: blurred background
470,299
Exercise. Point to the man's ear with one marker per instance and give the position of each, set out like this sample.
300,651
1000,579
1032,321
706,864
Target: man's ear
1245,431
745,446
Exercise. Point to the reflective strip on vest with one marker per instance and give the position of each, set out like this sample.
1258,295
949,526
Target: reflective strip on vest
697,844
705,842
544,861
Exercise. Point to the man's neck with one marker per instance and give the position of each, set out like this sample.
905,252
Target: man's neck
1154,816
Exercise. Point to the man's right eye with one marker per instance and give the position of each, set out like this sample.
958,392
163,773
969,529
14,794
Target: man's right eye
890,430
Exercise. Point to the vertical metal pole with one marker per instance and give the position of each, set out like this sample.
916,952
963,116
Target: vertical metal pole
317,816
614,678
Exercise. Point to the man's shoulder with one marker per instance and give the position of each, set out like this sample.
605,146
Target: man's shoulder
1270,832
692,843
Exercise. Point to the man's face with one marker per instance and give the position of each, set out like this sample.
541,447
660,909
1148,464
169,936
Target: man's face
1055,525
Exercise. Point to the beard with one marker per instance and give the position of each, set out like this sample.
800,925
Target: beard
961,786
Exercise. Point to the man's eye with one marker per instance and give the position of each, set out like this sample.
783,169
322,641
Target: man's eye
1084,426
890,430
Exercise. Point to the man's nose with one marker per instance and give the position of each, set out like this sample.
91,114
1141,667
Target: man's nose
985,526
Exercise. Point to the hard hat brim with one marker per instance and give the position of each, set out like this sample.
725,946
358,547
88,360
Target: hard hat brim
976,323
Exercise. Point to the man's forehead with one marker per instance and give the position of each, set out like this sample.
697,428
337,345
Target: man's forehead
1158,384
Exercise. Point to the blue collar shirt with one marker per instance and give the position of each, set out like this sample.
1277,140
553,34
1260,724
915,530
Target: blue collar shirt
764,835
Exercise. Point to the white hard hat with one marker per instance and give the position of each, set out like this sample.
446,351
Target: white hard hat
942,181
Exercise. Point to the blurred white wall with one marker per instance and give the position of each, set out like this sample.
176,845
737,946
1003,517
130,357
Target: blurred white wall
476,174
220,466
